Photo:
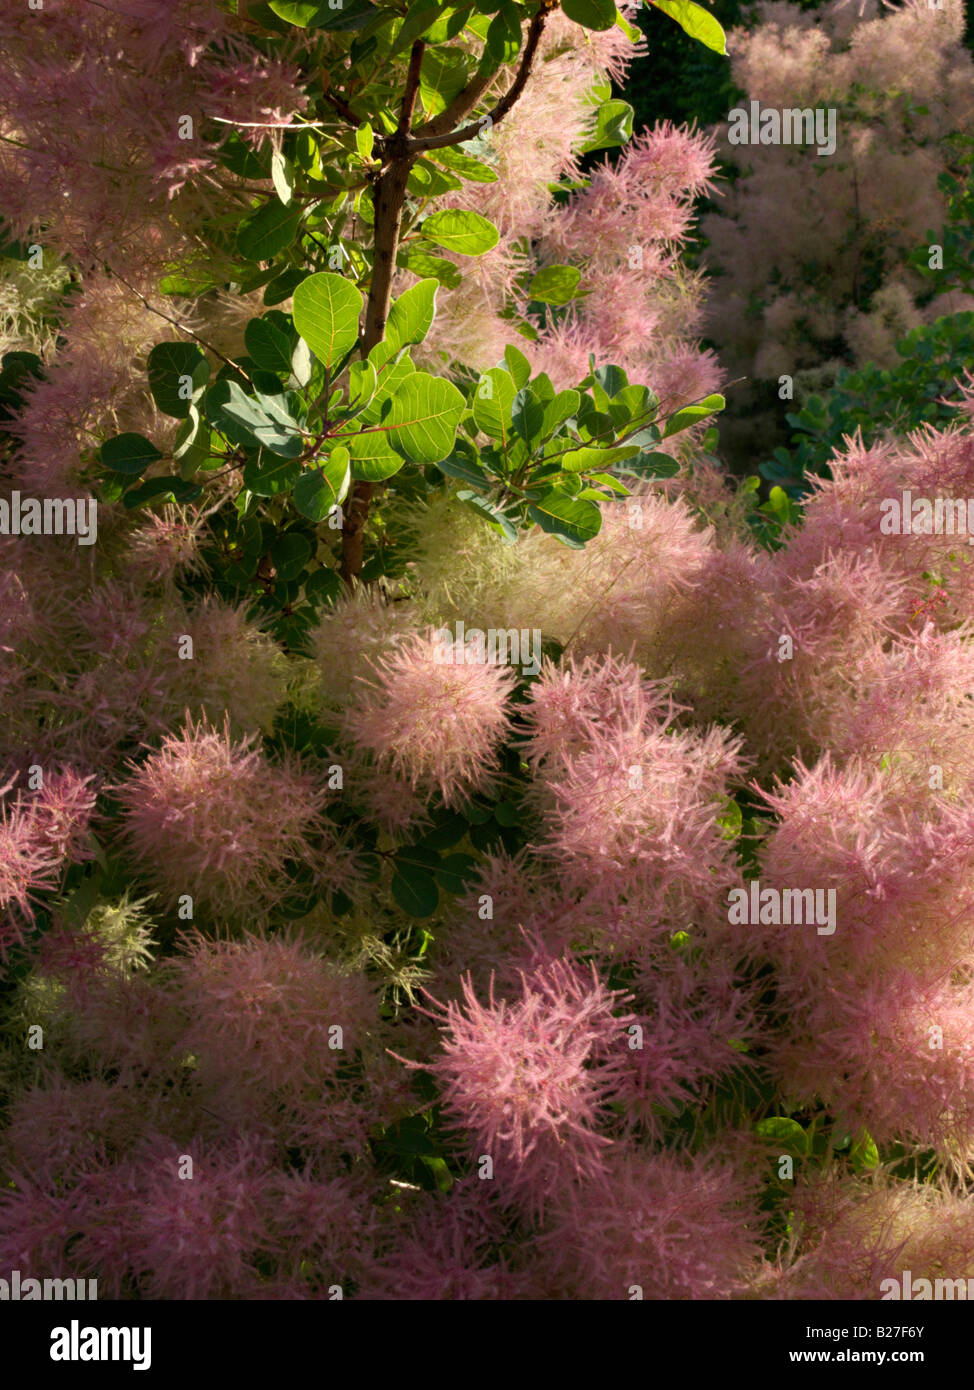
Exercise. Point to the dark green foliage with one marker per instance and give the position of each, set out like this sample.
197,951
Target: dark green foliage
879,401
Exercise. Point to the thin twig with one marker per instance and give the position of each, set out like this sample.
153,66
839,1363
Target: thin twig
271,125
176,324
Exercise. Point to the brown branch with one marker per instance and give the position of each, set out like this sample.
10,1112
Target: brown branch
353,532
388,200
343,109
412,87
420,143
399,152
459,108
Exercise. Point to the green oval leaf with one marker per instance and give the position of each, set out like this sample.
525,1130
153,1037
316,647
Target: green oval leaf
694,20
411,317
373,457
556,284
318,489
415,890
613,126
129,453
163,489
282,174
312,496
390,375
192,444
588,460
503,42
264,422
326,311
270,477
365,140
268,344
475,170
592,14
423,263
289,555
455,871
490,513
268,231
284,285
573,520
518,366
300,12
449,827
461,231
690,414
527,415
353,14
423,418
864,1153
323,586
633,404
781,1130
240,157
176,372
652,465
363,382
557,411
492,402
422,15
443,77
466,469
302,363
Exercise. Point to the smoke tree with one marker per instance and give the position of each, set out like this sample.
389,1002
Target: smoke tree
384,772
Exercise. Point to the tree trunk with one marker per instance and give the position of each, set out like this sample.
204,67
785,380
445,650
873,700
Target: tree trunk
388,200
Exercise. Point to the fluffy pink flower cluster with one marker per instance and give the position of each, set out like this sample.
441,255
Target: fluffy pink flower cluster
865,605
143,82
40,832
192,1221
284,1040
528,1080
214,822
121,663
436,723
623,231
629,802
660,1227
879,1017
